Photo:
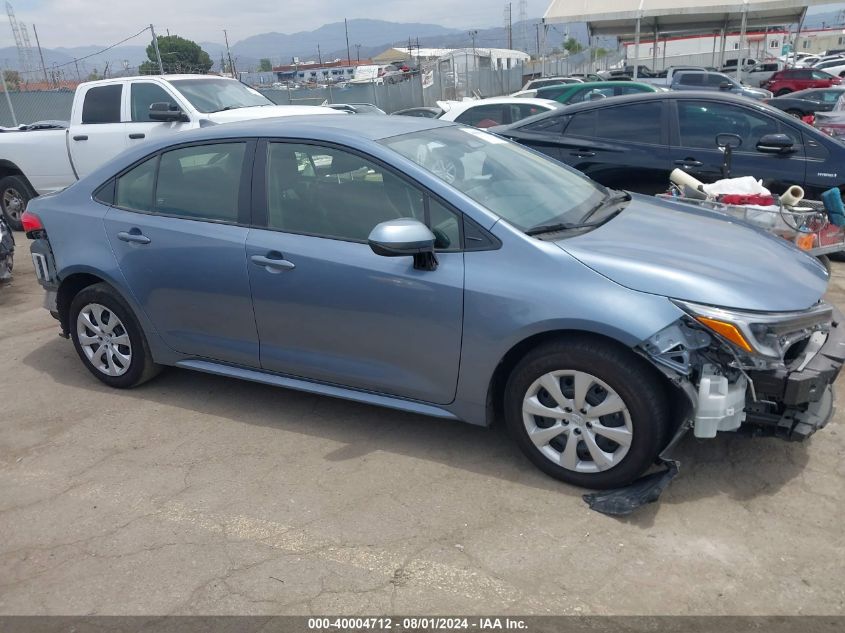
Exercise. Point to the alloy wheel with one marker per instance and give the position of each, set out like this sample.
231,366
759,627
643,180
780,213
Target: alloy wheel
13,203
104,340
577,421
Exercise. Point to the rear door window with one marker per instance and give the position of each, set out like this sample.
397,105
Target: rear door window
135,187
202,181
636,122
102,104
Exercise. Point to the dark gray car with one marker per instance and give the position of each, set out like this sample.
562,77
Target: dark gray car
718,82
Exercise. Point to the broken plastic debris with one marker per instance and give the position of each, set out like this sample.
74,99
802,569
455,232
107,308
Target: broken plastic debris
645,490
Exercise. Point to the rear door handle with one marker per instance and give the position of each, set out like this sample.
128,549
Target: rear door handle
137,135
689,162
80,137
273,262
133,236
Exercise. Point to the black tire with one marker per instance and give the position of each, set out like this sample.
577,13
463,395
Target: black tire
632,378
14,188
141,367
825,261
838,256
782,91
796,113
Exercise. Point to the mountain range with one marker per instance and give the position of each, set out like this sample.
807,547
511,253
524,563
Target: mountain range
373,36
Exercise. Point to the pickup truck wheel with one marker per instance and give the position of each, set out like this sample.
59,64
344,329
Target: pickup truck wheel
15,192
109,339
587,412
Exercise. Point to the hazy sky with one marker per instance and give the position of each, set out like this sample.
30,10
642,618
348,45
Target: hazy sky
81,22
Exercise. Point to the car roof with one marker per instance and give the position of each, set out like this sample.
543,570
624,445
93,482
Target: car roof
591,84
327,127
455,106
697,95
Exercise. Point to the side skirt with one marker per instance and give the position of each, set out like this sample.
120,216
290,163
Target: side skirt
308,386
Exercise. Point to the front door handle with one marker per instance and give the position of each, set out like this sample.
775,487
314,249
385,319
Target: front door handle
273,262
137,135
689,162
80,137
133,236
583,153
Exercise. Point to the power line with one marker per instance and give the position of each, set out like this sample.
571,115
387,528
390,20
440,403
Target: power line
107,48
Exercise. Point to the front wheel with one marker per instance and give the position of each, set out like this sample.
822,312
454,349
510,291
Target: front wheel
15,192
587,412
109,339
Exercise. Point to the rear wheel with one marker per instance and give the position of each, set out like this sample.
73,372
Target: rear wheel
109,339
587,412
15,192
782,91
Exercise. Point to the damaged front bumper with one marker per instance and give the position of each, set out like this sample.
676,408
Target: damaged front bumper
727,390
793,403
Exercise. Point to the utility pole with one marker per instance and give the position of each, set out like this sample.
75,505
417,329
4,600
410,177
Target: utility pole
155,45
537,28
346,28
358,52
510,25
229,54
78,76
319,55
40,54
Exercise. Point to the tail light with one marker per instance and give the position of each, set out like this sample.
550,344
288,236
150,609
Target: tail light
32,224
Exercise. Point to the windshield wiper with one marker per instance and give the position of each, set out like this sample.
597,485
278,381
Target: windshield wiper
615,198
619,196
228,107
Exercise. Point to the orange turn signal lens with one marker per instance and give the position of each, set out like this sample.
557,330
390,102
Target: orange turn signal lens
805,242
727,330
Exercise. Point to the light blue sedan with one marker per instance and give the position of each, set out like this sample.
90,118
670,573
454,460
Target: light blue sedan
442,270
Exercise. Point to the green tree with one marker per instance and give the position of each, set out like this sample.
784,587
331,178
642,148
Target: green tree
265,65
178,55
600,52
12,79
572,46
94,75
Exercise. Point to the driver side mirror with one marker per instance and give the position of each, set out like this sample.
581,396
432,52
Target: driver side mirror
405,237
167,112
775,144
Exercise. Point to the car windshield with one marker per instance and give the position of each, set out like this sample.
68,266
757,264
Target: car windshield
517,184
214,95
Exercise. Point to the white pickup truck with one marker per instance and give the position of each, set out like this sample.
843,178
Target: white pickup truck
110,116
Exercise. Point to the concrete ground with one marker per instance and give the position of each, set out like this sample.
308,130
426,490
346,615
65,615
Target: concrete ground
199,494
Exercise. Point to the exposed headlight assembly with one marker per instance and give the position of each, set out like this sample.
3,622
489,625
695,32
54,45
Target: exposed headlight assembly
766,334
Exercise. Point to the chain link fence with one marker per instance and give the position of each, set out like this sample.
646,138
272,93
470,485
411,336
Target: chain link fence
32,101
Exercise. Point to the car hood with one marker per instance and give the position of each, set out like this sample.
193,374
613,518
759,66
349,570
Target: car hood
683,252
264,112
757,93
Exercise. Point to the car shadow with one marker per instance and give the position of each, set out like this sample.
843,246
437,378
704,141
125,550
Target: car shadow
739,467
